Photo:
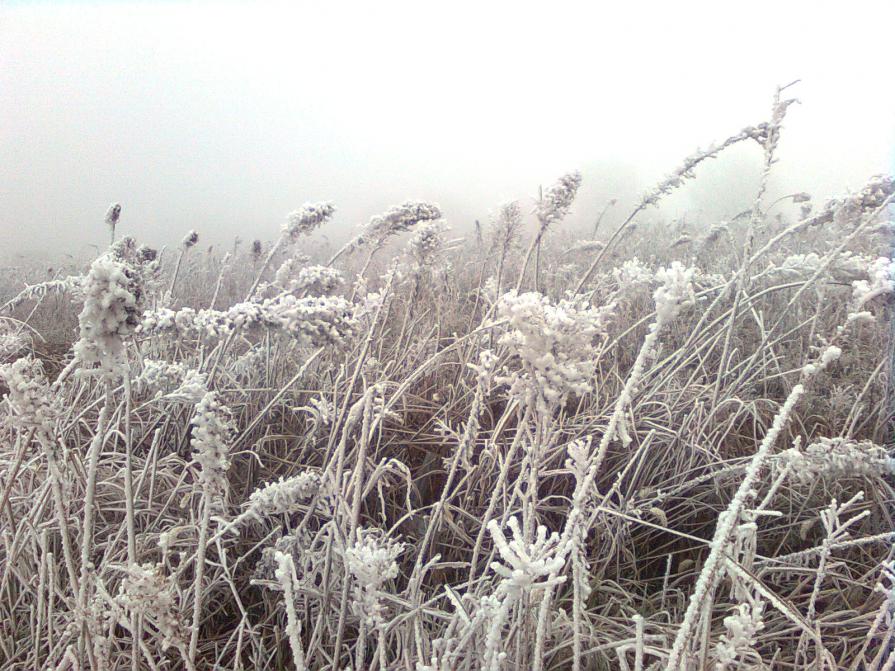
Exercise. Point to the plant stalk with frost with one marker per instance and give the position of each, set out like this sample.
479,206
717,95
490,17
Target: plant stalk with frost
504,234
370,561
149,594
212,428
37,409
552,208
380,228
728,521
285,575
673,294
526,567
302,221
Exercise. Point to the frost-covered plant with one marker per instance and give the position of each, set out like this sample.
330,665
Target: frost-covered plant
174,381
289,269
728,521
505,227
394,221
836,458
191,239
320,410
307,218
71,285
212,430
311,320
112,216
675,290
148,593
426,245
285,575
741,635
557,199
633,273
587,246
881,272
526,566
845,266
316,280
29,398
113,302
553,343
282,496
371,561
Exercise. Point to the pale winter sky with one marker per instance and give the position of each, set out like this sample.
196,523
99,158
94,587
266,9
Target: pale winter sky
223,117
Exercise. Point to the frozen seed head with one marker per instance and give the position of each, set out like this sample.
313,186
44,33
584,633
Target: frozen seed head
837,458
311,320
113,300
397,220
308,217
426,245
173,381
190,240
316,280
556,200
112,215
282,496
212,429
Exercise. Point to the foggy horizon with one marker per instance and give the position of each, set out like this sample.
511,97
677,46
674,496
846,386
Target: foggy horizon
223,118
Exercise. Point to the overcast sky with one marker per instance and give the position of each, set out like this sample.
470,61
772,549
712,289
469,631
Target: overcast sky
223,117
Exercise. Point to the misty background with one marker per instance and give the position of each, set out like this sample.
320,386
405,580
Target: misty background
223,117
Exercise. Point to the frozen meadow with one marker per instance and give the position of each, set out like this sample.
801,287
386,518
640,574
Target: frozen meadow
635,446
